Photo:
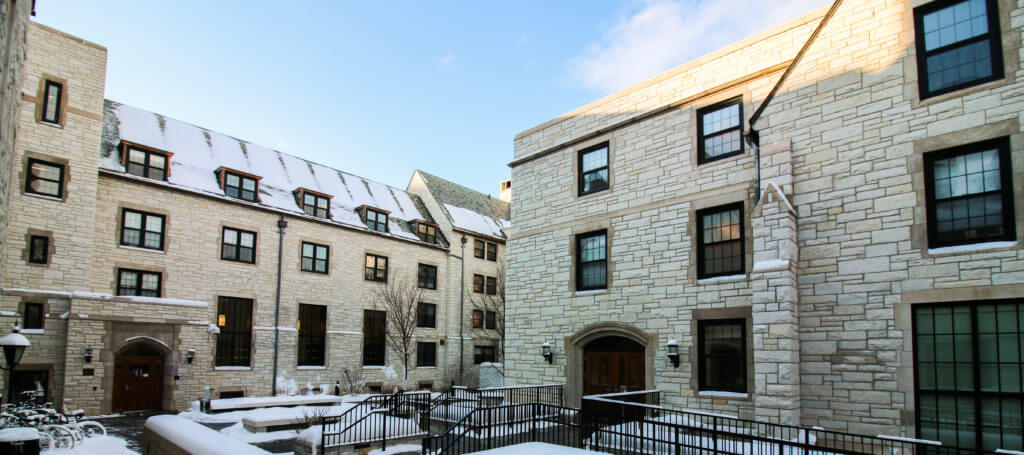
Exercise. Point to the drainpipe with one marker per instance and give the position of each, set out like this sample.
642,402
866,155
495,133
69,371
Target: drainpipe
281,224
462,309
751,136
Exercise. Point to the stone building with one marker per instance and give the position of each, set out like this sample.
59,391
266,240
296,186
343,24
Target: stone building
152,259
868,277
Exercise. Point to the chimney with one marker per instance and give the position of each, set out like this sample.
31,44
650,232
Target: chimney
506,190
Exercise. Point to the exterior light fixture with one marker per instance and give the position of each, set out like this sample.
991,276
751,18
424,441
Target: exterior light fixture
546,352
673,352
14,345
191,355
88,354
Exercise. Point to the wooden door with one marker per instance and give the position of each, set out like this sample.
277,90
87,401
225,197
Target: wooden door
138,380
612,372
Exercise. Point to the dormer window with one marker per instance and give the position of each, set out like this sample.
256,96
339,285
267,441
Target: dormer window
426,231
239,185
146,163
314,203
376,220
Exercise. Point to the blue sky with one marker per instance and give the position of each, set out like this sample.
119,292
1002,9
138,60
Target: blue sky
381,88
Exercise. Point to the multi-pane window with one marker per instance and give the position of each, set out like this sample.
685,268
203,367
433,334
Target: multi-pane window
426,232
483,354
52,94
238,245
478,283
492,252
490,320
720,241
427,276
138,282
722,355
968,373
312,334
719,130
426,315
315,257
591,261
376,268
240,186
147,163
44,178
234,342
376,220
141,229
478,248
478,319
593,163
958,45
38,249
374,331
969,194
316,205
33,316
492,286
426,354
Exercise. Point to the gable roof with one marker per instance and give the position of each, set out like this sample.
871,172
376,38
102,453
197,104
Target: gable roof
469,210
198,153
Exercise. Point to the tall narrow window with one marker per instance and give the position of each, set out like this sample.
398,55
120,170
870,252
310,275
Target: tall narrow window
492,252
315,257
376,220
234,342
969,193
138,282
142,229
718,131
426,354
968,371
593,163
52,96
315,204
722,358
39,249
490,320
376,268
44,178
478,319
374,330
426,315
33,316
312,334
478,248
147,163
238,246
592,261
478,283
958,45
240,186
720,241
492,286
427,276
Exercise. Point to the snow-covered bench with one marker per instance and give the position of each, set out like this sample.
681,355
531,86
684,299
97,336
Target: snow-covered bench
238,404
174,435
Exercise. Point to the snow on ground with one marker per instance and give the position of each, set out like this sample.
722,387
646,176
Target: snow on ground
274,413
537,448
400,448
100,445
236,431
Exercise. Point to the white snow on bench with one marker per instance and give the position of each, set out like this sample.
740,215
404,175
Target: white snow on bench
198,439
266,402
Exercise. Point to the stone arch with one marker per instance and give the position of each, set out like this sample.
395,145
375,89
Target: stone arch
157,345
574,351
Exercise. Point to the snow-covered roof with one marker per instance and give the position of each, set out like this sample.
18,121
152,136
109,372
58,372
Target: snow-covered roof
197,153
469,210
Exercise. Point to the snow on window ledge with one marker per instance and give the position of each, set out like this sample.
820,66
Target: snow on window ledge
721,394
723,279
137,248
311,367
228,368
972,248
33,331
374,367
426,368
43,196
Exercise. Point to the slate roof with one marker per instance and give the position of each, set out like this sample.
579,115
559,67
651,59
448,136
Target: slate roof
467,209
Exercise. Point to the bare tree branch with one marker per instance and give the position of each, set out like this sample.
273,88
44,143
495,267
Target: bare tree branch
496,304
399,297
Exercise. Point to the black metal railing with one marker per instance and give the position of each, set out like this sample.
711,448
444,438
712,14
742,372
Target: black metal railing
458,402
378,419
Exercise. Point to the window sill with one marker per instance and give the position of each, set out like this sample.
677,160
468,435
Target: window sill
426,368
43,196
51,124
138,248
311,367
33,331
723,279
374,367
971,248
723,395
590,292
229,368
315,273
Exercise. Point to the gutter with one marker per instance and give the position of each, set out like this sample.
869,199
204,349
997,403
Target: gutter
281,224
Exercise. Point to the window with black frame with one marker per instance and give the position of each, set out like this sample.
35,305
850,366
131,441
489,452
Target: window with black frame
39,250
490,320
44,178
376,220
426,315
426,354
426,277
593,174
722,355
32,317
315,257
483,354
491,285
492,252
316,205
147,163
719,130
720,241
478,319
142,229
53,93
312,338
374,331
241,187
376,268
238,245
968,364
138,283
592,261
478,283
478,248
969,192
234,342
426,232
958,45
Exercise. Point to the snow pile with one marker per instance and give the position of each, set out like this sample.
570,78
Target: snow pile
195,438
18,434
238,432
286,386
99,445
533,448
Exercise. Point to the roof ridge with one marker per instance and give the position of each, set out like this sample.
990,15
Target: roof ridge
427,174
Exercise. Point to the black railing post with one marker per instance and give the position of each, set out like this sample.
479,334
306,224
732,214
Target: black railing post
533,423
323,434
490,428
384,431
714,435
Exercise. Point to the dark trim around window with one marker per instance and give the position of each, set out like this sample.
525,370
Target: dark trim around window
374,344
426,354
376,220
53,118
426,277
478,248
235,247
33,316
39,249
597,184
736,129
312,339
426,315
144,235
315,257
245,187
598,264
41,184
234,342
993,36
139,283
719,245
725,362
376,268
146,163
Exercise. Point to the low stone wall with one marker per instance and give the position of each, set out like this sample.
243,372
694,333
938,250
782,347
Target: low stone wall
492,375
173,435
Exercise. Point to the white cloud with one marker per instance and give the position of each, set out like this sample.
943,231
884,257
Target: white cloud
653,36
447,59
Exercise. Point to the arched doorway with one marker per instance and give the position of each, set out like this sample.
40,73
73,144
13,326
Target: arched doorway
613,364
138,379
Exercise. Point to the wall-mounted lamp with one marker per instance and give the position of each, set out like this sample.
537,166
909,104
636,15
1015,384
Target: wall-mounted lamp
546,352
88,354
673,352
191,355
